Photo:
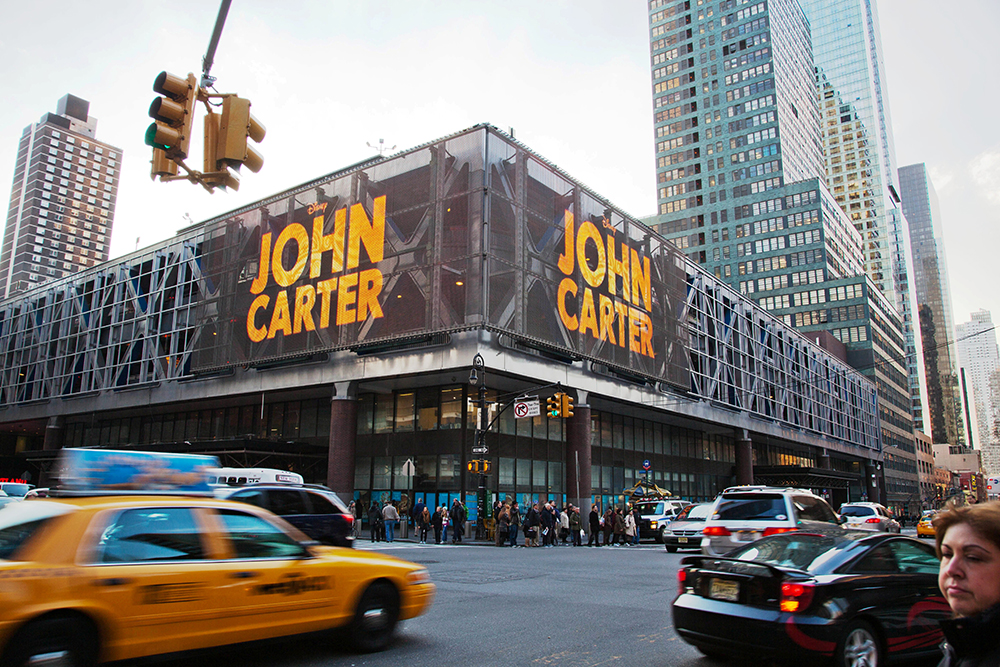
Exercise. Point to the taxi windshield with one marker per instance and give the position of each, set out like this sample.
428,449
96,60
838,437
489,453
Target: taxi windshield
20,521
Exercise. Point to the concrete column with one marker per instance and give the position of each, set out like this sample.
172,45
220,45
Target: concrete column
871,482
578,482
744,457
343,441
824,460
54,431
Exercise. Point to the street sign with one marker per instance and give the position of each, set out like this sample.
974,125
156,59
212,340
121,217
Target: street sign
480,450
409,469
646,465
527,407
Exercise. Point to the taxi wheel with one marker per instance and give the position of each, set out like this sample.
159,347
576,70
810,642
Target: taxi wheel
671,549
375,618
67,641
859,647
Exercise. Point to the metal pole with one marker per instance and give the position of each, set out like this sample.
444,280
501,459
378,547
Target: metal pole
481,442
206,63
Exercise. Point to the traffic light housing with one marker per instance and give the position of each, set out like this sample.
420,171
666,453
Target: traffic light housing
162,165
216,174
481,466
566,406
554,405
236,126
173,118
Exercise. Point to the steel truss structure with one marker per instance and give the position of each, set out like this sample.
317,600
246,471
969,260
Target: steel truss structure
132,322
744,359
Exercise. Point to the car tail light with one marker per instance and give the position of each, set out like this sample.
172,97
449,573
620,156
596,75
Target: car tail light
349,519
777,531
796,597
681,579
873,520
716,531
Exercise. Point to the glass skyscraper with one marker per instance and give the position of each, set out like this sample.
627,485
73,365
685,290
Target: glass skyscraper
742,190
860,157
930,277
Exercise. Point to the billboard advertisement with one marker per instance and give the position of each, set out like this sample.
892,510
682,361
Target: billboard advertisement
472,231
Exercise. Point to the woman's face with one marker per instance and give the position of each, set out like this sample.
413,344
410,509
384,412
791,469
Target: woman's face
969,576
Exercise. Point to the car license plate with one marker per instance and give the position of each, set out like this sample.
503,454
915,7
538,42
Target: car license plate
747,536
721,589
682,540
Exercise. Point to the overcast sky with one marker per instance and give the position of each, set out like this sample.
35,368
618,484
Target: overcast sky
572,78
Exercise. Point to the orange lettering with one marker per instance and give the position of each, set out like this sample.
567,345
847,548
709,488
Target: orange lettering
346,297
567,286
305,299
255,334
369,287
294,232
566,259
280,318
263,265
370,232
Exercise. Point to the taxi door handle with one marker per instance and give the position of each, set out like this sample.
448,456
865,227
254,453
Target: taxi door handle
243,575
113,581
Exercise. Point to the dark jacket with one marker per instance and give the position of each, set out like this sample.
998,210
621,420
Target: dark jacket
457,514
973,641
595,520
531,518
546,518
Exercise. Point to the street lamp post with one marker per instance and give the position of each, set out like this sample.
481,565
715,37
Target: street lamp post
479,367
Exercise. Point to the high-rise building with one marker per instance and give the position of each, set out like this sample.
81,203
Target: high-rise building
930,277
742,190
62,203
980,361
860,158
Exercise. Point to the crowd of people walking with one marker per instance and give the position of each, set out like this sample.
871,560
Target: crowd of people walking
541,524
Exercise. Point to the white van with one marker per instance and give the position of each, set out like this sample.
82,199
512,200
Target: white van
224,477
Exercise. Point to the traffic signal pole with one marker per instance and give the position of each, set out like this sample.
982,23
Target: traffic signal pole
481,442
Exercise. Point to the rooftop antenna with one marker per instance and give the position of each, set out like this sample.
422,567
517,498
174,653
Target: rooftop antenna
381,147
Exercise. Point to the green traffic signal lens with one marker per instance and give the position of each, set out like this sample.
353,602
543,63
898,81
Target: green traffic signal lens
151,138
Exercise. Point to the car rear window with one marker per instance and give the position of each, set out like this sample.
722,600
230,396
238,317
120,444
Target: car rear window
751,508
856,511
798,551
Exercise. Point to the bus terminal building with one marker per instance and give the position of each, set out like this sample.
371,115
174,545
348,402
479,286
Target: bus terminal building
332,330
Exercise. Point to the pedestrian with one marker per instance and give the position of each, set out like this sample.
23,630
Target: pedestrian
547,525
608,525
630,529
618,526
637,518
968,543
375,519
503,526
418,511
353,509
438,524
445,522
515,523
595,526
531,523
575,526
564,524
424,521
457,521
498,508
390,515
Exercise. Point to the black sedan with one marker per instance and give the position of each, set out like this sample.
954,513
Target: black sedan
859,598
316,511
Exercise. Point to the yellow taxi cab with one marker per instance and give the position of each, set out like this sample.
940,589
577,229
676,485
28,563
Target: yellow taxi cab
89,578
924,527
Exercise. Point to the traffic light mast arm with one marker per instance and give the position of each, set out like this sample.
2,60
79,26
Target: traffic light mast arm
213,43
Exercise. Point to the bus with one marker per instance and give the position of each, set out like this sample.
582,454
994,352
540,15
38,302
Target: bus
219,477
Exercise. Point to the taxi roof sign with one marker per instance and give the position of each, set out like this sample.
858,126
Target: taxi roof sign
110,471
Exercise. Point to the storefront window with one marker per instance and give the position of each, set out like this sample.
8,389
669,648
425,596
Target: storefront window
523,473
383,472
427,408
362,472
451,408
506,473
450,476
555,477
405,403
383,413
426,472
538,475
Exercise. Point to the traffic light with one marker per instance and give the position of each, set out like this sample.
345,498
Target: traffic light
566,406
481,466
216,174
237,125
173,117
554,405
162,165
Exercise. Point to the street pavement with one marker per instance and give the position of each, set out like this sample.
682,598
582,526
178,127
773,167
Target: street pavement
557,606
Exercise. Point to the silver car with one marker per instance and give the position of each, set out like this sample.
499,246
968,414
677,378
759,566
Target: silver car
684,532
868,516
742,515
